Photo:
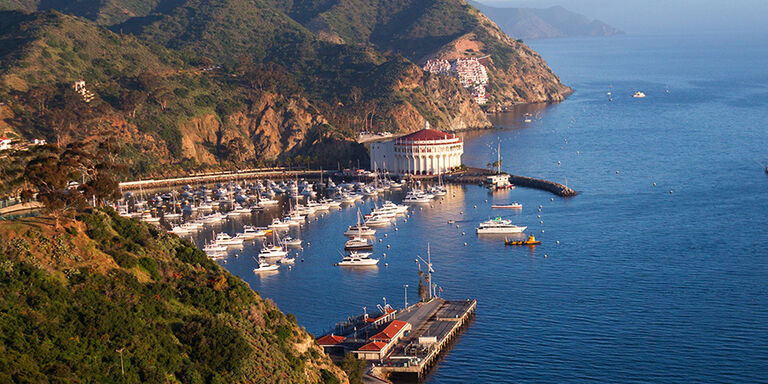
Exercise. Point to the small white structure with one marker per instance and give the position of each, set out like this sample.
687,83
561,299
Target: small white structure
5,143
425,152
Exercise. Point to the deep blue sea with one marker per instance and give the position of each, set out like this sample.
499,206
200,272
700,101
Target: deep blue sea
661,270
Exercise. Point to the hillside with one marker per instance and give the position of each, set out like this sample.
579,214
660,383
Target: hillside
192,85
545,23
105,294
447,29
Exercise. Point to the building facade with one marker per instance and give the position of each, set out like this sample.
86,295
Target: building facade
425,152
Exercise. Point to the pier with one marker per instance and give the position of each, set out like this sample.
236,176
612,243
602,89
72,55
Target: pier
402,345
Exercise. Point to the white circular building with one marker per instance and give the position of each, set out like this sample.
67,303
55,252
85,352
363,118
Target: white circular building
425,152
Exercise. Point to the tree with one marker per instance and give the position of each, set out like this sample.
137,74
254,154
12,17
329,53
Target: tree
50,172
422,287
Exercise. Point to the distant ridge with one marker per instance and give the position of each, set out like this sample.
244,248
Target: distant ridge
545,23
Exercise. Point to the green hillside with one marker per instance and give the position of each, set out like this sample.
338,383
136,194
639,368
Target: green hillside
107,299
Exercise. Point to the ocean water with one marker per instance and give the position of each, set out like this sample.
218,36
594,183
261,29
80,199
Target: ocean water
656,272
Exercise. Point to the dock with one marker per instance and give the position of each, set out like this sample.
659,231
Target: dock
436,326
402,345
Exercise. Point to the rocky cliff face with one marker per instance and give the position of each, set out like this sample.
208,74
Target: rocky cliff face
274,127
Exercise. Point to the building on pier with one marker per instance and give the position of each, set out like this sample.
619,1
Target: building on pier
424,152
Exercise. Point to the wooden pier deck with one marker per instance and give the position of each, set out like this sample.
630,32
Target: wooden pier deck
436,325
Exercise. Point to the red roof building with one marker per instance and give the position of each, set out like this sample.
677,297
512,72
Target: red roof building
329,340
424,152
373,346
391,331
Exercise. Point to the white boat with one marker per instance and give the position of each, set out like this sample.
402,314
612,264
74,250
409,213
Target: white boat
287,260
359,229
265,267
181,230
278,224
514,205
148,218
213,247
272,251
250,232
267,201
417,197
291,242
241,210
499,226
225,239
358,242
378,221
639,95
356,259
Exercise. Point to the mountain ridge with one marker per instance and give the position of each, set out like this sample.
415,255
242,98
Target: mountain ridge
545,23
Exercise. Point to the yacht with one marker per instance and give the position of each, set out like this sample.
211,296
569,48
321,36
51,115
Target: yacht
272,251
499,225
225,239
287,260
291,242
378,221
514,205
639,95
358,243
250,232
417,197
356,259
179,230
359,230
212,247
265,267
267,201
278,224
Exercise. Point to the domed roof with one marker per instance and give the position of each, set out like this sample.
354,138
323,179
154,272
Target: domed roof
427,134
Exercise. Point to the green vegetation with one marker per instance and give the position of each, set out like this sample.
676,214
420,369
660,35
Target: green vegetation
192,85
114,300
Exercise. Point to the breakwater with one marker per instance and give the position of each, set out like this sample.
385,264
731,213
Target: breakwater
479,176
550,186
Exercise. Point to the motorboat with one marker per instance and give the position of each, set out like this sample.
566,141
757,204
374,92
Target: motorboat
291,242
250,232
358,259
531,240
225,239
514,205
287,260
179,230
212,247
265,267
378,221
358,243
278,224
417,197
639,95
498,226
272,251
359,230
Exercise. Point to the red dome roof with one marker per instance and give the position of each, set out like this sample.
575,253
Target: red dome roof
427,135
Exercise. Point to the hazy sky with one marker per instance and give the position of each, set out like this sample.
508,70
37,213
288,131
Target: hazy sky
649,16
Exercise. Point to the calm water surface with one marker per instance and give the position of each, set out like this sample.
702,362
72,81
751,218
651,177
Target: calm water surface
644,285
